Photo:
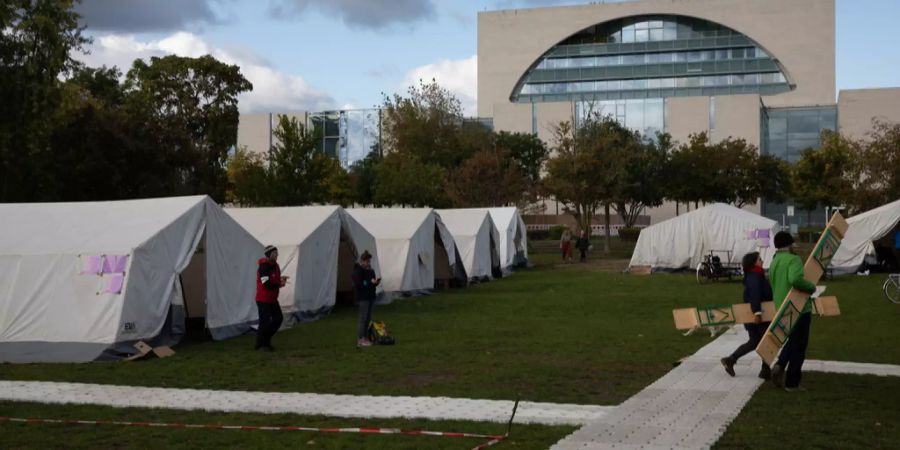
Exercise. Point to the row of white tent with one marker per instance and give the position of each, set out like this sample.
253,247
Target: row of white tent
682,242
85,281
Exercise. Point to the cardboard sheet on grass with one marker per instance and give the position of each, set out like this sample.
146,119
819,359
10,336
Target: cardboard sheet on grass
317,247
85,281
681,242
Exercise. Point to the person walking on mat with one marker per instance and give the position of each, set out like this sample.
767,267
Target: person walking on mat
268,284
786,272
756,291
364,283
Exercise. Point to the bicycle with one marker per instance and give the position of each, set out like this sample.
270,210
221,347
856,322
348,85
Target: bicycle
891,288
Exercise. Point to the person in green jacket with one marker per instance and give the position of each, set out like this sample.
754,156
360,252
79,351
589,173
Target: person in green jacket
785,273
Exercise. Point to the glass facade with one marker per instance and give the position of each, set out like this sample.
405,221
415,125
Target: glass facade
786,132
649,57
349,135
648,116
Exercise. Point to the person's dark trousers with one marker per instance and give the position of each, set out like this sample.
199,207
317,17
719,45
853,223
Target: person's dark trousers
363,318
755,333
583,256
794,352
270,319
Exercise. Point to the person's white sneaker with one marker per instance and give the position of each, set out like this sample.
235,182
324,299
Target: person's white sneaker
363,343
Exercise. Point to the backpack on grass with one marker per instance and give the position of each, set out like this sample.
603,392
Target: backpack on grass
378,333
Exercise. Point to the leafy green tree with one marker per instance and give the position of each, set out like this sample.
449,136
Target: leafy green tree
363,177
425,125
248,179
488,178
588,168
300,174
191,105
527,150
406,181
37,41
876,169
644,184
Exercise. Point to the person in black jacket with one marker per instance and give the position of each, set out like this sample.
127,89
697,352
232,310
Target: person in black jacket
364,283
756,291
583,244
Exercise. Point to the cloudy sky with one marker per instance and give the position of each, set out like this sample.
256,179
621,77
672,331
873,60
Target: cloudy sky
329,54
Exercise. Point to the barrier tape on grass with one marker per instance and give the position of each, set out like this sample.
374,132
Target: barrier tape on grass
494,439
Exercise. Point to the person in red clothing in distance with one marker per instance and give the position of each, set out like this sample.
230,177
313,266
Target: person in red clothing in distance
268,283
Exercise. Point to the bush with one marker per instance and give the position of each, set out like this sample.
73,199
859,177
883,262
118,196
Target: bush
629,234
556,231
538,235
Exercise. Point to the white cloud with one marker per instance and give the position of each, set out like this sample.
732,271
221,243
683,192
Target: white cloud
459,76
273,90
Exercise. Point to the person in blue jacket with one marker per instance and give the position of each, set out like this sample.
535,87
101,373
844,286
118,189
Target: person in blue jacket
365,282
756,291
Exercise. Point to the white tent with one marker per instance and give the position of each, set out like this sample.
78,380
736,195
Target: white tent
317,247
881,223
84,281
477,240
414,248
681,242
513,237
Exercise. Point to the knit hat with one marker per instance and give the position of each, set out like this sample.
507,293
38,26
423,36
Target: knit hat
269,249
783,239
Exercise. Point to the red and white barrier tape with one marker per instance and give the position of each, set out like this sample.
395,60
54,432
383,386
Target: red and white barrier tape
494,439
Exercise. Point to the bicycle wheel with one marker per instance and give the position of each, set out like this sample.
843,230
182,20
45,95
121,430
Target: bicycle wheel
703,272
891,289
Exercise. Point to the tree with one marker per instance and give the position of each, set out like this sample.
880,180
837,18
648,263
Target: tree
876,171
299,173
824,176
248,179
191,106
692,169
425,125
363,178
588,168
527,150
644,184
488,178
37,41
407,181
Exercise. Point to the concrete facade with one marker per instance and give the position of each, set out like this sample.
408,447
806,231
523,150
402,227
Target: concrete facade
857,109
800,34
256,132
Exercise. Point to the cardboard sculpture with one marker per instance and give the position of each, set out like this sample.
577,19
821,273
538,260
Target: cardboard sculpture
786,317
719,315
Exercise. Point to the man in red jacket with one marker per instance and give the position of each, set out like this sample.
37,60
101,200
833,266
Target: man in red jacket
268,282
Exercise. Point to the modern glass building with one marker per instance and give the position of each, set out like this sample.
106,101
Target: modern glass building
761,70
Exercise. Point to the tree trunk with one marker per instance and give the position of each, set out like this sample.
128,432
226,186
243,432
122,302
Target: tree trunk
606,219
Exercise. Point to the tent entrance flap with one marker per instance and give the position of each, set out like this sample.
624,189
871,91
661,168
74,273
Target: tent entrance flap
442,272
347,256
193,282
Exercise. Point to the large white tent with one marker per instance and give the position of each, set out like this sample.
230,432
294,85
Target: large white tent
317,247
513,237
477,240
866,229
414,249
84,281
681,242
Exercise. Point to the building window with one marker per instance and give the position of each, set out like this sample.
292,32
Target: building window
648,116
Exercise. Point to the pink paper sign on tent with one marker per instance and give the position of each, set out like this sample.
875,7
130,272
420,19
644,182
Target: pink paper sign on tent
113,284
91,264
115,263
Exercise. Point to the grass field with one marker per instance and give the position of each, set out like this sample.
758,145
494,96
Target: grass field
836,411
45,436
573,333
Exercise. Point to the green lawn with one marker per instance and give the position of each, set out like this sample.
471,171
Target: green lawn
45,436
836,411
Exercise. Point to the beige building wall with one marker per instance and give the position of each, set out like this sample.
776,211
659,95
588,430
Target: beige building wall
857,108
800,34
737,116
686,115
549,116
514,118
256,131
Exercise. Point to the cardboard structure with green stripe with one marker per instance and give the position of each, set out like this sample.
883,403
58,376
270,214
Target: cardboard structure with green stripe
786,316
